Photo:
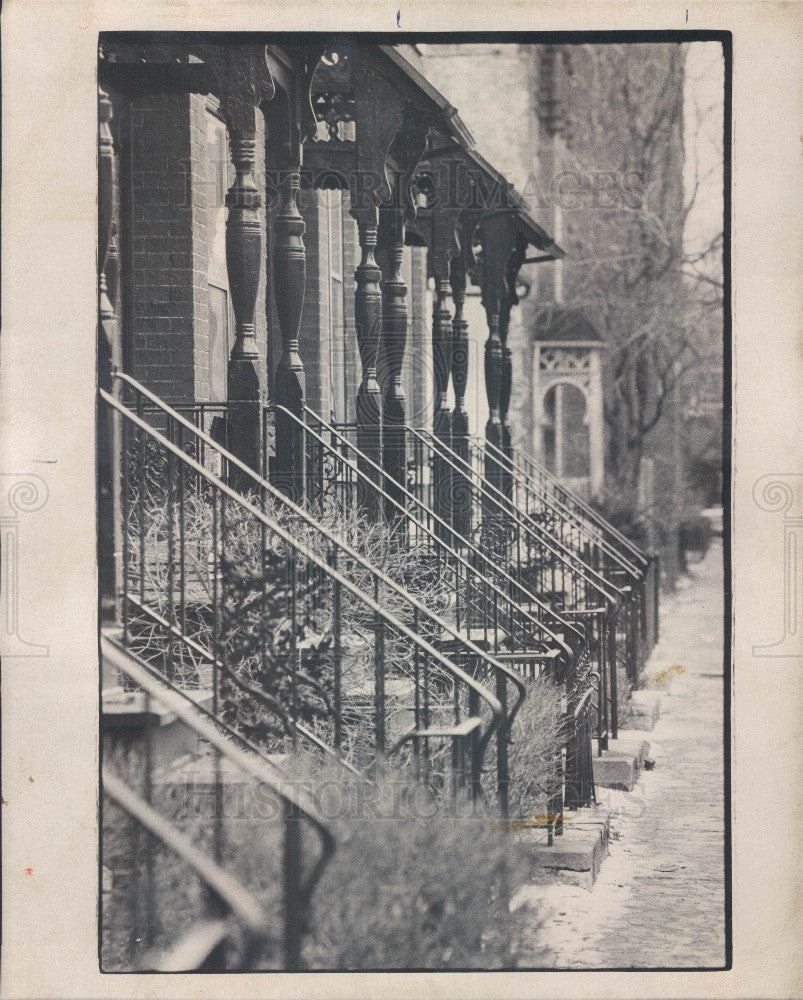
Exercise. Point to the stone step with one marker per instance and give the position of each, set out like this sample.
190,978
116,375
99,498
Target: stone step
620,766
128,715
576,855
645,709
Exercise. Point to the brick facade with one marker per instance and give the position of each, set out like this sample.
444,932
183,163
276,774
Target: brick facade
172,187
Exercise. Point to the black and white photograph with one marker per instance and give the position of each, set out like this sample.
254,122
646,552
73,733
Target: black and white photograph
412,464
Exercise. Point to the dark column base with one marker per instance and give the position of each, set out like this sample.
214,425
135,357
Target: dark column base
442,474
369,442
461,484
288,472
243,430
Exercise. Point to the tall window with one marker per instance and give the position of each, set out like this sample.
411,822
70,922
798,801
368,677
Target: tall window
338,355
220,319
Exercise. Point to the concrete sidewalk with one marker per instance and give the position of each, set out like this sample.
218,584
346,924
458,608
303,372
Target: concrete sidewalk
659,898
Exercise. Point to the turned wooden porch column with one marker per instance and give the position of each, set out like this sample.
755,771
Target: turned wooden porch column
461,495
243,83
243,263
368,323
394,339
493,379
509,299
108,436
289,278
442,366
496,234
442,247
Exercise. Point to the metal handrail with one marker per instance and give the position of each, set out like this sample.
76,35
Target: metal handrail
452,553
586,508
297,546
262,696
558,506
243,908
245,759
609,591
645,579
501,719
563,498
621,603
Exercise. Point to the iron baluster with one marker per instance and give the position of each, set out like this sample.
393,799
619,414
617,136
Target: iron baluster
126,541
503,735
292,564
379,673
337,652
182,536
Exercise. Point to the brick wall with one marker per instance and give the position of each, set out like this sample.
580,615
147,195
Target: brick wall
171,190
161,334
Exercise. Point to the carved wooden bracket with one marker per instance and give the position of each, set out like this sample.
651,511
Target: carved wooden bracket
243,82
384,121
380,111
497,235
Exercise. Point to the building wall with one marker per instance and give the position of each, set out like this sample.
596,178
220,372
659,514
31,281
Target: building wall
175,247
161,329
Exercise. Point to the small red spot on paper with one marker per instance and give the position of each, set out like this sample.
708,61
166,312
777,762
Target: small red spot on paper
29,871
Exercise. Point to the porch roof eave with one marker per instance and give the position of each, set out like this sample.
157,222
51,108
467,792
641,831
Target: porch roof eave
454,127
524,219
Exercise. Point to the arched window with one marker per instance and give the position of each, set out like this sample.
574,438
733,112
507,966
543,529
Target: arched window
564,429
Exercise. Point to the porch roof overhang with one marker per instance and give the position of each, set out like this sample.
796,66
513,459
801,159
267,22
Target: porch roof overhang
520,212
137,62
451,121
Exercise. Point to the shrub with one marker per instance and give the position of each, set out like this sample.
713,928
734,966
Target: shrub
414,884
254,634
535,744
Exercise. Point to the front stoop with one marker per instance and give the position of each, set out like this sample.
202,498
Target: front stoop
620,766
576,856
645,709
128,715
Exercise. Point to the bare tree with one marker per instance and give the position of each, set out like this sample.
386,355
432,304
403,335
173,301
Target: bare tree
654,297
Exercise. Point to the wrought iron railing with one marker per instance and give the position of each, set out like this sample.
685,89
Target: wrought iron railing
539,494
228,928
521,462
333,641
542,565
343,484
337,478
546,561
